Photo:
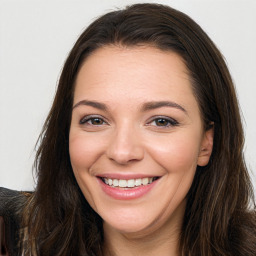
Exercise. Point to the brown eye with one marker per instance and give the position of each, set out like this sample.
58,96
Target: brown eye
162,122
96,121
89,120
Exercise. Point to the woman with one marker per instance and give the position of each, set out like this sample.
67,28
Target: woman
141,153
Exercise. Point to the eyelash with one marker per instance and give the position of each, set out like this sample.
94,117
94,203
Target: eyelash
85,120
169,122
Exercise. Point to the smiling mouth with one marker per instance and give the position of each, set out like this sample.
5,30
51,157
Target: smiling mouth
128,184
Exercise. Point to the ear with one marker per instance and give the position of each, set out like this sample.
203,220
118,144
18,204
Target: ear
206,147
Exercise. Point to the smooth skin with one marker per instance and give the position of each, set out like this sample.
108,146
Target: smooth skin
134,113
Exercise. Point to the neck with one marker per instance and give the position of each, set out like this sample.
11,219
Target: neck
164,241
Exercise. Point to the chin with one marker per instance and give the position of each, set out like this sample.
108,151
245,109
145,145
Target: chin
131,222
129,227
127,220
140,223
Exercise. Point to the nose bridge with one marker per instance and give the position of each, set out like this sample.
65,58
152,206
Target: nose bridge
126,144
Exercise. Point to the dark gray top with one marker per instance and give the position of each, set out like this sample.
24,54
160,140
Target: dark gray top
11,202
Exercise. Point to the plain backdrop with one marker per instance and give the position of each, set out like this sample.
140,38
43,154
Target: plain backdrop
36,36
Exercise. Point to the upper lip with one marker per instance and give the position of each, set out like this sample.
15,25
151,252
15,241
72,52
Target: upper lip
122,176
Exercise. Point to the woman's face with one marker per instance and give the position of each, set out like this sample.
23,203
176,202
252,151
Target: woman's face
136,137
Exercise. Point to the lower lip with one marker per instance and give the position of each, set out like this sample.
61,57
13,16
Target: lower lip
126,194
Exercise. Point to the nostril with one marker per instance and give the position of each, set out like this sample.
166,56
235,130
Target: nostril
124,157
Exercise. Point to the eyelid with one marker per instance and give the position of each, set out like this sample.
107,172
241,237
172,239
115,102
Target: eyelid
172,121
86,118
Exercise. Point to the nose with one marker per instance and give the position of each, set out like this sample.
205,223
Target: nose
125,146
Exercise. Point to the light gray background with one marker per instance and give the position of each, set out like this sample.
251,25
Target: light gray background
35,37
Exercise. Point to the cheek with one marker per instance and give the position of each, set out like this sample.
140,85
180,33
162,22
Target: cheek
78,152
178,153
83,151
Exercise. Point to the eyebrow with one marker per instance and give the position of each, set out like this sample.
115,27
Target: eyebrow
159,104
145,107
94,104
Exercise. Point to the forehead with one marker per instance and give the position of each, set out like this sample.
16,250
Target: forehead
143,72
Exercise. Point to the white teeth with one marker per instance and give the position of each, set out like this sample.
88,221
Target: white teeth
145,181
115,183
137,182
128,183
122,183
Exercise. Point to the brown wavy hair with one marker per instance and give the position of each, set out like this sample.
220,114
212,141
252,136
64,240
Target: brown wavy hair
220,212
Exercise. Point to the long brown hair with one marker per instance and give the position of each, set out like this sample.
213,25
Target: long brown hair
57,220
